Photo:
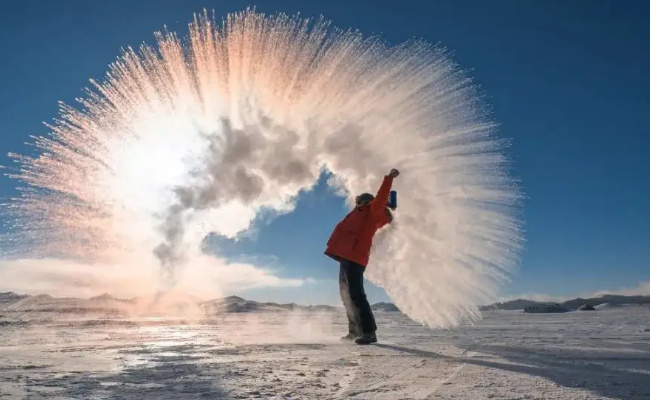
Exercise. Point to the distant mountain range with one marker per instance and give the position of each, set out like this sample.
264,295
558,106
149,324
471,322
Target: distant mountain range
572,304
235,304
170,303
389,307
184,304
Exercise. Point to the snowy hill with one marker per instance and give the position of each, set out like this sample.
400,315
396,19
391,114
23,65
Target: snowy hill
235,304
390,307
45,303
175,303
573,304
518,304
183,304
169,303
7,298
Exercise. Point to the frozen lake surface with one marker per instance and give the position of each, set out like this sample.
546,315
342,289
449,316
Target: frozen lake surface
602,354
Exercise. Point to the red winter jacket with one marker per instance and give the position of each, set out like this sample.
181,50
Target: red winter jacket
352,237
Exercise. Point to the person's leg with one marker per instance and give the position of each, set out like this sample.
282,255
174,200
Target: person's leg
354,325
359,298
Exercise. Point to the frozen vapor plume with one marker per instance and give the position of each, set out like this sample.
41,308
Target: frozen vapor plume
199,135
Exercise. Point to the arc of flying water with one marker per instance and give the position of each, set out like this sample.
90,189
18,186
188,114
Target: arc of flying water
197,136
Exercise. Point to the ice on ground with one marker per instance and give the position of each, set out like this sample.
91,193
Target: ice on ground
508,355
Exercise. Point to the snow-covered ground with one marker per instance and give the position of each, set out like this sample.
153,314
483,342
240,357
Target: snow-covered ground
602,354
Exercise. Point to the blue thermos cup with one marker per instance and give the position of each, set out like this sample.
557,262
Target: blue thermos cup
392,200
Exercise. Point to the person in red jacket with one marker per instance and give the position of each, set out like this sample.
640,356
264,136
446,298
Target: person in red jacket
350,245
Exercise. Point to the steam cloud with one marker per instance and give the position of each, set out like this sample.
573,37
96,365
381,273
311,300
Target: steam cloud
230,175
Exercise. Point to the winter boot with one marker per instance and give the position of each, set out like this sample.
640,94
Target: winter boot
367,338
349,337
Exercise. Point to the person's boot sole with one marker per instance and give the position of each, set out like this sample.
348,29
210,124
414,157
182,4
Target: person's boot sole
364,343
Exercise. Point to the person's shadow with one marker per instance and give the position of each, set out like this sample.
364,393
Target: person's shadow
602,373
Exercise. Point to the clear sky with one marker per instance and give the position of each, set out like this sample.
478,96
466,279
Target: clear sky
567,81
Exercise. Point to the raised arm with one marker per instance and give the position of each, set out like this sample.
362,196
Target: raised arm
379,203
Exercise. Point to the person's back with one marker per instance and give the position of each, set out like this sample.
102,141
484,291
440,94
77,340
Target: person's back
352,237
350,245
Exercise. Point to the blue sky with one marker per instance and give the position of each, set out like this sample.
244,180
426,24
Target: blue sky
567,81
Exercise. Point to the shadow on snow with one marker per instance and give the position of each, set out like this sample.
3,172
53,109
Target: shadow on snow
593,370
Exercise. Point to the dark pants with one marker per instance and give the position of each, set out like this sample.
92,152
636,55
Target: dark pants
356,304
